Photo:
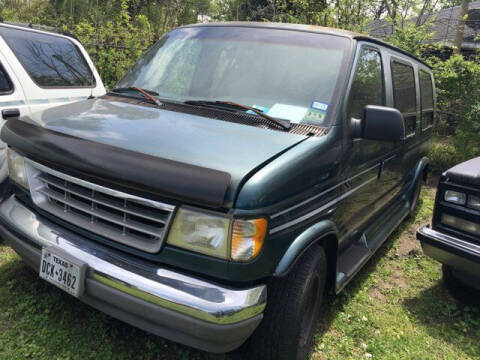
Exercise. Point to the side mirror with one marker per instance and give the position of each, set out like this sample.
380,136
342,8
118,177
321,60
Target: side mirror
10,113
380,123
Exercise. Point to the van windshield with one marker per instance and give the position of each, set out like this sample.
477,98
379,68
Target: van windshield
286,74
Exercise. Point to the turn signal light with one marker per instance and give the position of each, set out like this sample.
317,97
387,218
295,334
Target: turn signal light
247,238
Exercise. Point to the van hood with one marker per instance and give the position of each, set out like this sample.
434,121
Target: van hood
183,139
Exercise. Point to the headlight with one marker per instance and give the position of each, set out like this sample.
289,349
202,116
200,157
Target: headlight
247,238
215,236
455,197
474,202
201,232
461,224
16,168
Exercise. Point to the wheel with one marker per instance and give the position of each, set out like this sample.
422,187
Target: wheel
293,307
415,196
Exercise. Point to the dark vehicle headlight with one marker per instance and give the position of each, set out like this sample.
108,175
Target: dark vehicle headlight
461,224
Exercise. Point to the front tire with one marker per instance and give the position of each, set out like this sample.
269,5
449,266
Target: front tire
293,308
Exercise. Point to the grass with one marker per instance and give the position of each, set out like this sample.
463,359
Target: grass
396,308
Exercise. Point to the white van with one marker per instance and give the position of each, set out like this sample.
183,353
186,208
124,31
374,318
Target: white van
39,70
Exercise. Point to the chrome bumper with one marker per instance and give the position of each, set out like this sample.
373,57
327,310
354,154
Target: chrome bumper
168,289
462,256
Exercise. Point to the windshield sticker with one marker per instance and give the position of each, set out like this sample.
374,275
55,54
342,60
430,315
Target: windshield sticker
319,106
315,117
289,112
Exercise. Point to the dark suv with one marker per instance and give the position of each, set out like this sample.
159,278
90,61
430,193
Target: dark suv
237,173
454,238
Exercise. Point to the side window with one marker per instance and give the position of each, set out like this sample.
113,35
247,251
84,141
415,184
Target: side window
426,96
6,86
404,94
51,61
367,86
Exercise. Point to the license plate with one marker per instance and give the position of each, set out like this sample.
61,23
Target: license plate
63,271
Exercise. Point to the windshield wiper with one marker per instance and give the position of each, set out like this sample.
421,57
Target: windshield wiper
145,92
284,124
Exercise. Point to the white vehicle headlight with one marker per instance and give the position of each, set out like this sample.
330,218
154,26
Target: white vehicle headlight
474,202
218,236
455,197
200,232
16,168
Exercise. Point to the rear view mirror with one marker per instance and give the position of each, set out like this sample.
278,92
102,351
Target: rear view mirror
381,123
10,114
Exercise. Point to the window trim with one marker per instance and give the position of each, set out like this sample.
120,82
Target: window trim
401,61
382,67
94,82
428,110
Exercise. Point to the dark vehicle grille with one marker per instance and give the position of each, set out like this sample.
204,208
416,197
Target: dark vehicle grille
127,219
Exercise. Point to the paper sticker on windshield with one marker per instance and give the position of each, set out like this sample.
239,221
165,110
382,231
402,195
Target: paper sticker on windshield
289,112
317,105
314,117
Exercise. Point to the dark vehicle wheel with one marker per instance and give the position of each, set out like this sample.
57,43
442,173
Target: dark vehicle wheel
293,307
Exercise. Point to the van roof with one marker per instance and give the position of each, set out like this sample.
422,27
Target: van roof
312,28
43,29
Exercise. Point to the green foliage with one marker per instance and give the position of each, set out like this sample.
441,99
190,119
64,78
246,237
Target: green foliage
443,155
412,38
458,103
468,134
113,47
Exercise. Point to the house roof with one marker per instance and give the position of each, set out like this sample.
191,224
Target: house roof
444,26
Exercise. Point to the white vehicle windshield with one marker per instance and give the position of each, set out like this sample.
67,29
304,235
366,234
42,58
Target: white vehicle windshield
286,74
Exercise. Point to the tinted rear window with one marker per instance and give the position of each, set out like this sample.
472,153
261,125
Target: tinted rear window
404,87
426,90
51,61
426,95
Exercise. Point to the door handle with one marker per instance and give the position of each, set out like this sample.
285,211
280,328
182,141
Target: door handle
10,113
380,170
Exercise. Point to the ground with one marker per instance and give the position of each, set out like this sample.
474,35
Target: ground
396,308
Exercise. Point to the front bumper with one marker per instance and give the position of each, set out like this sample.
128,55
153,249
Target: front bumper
462,256
172,305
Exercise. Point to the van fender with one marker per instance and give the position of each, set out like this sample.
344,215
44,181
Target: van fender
302,243
418,174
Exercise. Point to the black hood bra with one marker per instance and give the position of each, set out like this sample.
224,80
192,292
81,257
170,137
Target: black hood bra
111,165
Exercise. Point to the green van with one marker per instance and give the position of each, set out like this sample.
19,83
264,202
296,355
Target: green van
238,173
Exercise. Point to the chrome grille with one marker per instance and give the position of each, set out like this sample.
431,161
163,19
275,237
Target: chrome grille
127,219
